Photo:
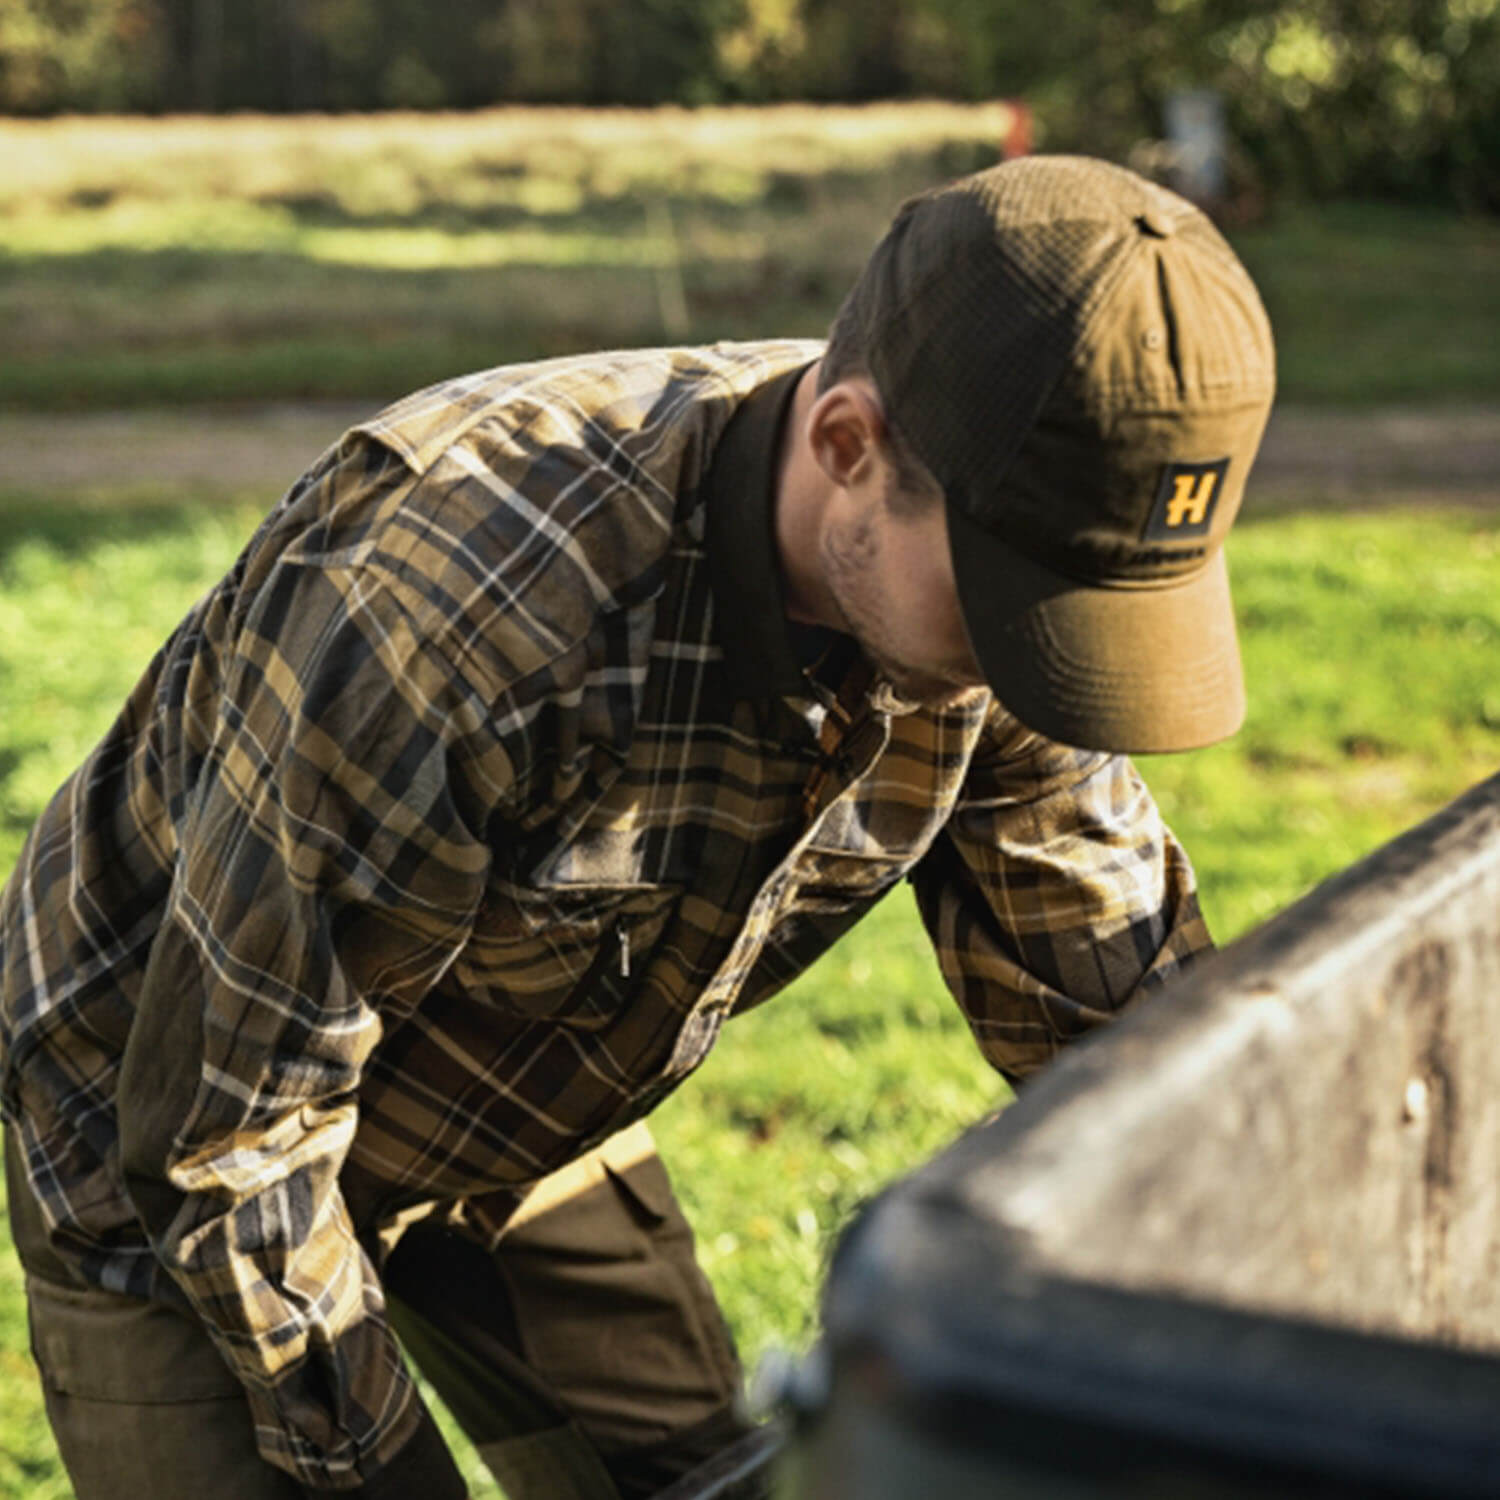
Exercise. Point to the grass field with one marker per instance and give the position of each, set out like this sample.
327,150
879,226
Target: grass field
148,261
1370,645
174,261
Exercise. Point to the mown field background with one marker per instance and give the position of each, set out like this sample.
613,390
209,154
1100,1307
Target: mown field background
186,260
175,262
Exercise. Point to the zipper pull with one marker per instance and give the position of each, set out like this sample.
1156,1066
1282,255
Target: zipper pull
624,936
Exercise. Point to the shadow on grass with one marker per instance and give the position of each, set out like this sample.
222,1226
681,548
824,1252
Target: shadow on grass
123,328
74,523
704,191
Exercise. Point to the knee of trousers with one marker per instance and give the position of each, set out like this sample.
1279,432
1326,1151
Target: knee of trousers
588,1306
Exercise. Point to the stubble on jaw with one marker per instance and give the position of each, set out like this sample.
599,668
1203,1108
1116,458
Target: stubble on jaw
848,559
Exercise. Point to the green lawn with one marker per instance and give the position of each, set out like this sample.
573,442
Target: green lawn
159,261
1376,303
1370,644
149,261
178,261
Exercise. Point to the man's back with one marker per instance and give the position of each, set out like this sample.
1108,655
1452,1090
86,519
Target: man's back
416,655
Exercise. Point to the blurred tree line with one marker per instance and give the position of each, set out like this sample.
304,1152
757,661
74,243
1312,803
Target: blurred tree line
1389,96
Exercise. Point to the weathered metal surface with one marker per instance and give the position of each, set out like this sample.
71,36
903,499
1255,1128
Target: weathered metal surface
1245,1243
1309,1124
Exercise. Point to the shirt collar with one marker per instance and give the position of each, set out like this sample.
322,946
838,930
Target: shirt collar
751,623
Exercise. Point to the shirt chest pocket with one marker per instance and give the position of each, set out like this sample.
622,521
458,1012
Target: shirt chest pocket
569,954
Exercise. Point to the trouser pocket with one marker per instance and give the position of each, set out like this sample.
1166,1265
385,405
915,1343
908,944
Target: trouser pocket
141,1402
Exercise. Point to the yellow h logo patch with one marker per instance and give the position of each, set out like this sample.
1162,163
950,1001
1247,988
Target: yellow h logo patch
1190,498
1185,500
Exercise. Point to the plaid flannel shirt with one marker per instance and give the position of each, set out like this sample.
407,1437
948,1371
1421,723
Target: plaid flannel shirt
444,833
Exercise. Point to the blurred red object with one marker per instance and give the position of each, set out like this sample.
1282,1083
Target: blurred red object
1015,139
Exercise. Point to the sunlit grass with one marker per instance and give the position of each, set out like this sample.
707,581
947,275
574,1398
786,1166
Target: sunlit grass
177,260
1370,644
550,161
194,260
233,228
188,260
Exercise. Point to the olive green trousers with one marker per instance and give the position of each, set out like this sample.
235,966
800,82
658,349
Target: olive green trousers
582,1352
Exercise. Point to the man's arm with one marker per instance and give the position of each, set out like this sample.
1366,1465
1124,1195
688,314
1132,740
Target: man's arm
1054,896
331,856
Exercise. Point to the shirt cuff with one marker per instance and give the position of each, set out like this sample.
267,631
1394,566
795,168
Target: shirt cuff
423,1466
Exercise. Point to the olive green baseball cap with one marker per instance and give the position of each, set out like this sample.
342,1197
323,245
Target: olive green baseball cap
1086,368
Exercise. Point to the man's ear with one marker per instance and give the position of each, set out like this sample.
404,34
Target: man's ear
845,429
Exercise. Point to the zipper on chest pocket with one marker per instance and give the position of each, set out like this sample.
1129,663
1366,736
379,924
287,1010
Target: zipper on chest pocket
612,959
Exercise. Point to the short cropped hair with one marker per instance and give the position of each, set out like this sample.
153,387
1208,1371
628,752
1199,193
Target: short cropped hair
915,489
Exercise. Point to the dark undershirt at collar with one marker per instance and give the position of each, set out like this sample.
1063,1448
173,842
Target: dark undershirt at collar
760,647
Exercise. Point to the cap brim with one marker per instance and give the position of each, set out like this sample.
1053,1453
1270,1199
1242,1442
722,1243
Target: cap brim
1126,669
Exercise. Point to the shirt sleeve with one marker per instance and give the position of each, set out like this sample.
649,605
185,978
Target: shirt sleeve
331,857
1055,895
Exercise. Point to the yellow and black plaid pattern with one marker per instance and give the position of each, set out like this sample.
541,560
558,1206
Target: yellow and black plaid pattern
441,838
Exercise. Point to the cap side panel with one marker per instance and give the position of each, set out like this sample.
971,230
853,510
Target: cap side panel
1003,310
